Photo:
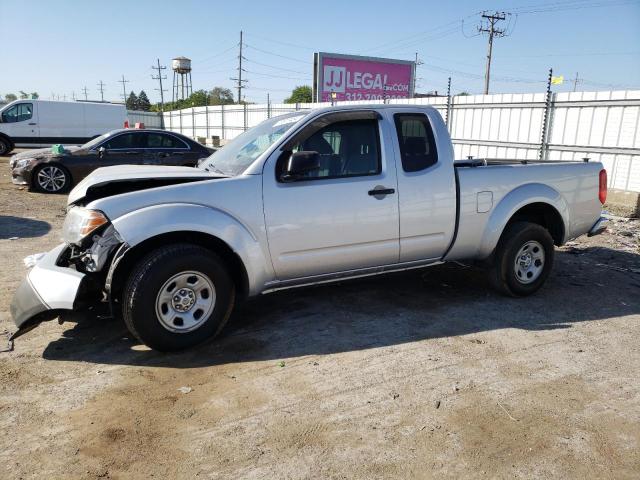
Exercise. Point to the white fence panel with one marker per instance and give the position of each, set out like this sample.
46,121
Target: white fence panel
603,126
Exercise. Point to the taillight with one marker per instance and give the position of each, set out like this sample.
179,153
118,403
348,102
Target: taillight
602,190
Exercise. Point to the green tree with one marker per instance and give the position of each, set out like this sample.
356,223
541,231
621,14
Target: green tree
23,95
132,101
300,94
220,96
197,99
10,97
143,102
34,95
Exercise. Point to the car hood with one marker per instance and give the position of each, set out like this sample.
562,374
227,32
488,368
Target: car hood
109,181
41,153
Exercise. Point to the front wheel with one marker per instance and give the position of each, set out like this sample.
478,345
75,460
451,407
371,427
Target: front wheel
178,296
523,259
5,147
51,178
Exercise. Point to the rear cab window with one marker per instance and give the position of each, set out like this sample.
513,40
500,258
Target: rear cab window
417,143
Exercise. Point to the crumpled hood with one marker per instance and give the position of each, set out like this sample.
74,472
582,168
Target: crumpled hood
40,153
109,181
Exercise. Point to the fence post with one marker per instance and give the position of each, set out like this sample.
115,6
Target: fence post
297,106
180,111
193,123
245,116
544,146
448,109
206,113
222,120
268,108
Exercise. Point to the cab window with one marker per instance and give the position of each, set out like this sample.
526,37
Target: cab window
124,141
160,140
18,113
346,149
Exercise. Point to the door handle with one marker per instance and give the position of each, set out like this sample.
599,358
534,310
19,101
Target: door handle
380,191
32,123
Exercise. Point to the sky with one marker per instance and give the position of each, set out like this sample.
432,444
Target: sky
58,47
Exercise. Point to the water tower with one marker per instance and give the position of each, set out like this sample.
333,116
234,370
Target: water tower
182,87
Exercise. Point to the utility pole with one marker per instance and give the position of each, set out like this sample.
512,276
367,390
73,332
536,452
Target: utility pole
160,77
491,29
124,89
239,79
85,93
73,95
576,81
101,86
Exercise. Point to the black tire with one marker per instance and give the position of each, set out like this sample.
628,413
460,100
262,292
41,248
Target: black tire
41,186
509,279
5,146
141,296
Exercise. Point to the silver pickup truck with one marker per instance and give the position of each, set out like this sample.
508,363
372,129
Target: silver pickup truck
302,198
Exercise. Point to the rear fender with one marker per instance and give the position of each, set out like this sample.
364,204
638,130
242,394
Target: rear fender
140,225
514,201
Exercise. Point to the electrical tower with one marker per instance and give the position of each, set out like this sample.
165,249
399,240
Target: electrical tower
124,89
240,70
84,90
490,28
160,77
101,86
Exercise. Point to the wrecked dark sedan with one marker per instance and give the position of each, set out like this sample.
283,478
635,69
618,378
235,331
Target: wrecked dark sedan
57,169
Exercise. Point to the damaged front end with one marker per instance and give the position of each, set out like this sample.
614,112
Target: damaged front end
69,279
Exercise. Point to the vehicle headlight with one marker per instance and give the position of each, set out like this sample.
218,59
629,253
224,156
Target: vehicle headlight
80,222
22,163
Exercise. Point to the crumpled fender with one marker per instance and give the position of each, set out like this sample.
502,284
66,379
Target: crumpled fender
514,201
139,225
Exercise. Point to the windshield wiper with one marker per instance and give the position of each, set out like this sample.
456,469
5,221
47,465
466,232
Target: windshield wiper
215,170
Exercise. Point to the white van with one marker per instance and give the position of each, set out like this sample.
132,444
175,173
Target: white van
41,123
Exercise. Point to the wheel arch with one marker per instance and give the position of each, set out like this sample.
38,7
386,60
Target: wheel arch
536,203
122,266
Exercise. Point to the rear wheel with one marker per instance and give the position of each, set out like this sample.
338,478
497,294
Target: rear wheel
523,259
51,178
178,296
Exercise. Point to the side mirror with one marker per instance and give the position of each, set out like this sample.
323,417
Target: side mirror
299,164
102,152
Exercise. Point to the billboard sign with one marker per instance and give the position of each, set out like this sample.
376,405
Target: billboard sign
352,77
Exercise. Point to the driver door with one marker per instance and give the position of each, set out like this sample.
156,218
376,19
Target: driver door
20,123
330,220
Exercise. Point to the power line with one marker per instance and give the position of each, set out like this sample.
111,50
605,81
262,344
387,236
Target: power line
306,62
160,77
101,87
491,29
124,89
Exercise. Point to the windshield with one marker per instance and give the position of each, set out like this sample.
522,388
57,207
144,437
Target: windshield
235,157
92,143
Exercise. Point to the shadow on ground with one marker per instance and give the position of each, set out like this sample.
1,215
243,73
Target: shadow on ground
21,227
443,301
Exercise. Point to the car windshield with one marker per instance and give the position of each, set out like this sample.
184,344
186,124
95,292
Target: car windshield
92,143
235,157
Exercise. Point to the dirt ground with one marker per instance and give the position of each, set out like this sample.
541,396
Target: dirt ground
426,374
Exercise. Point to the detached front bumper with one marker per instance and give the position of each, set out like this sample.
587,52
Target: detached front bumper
47,291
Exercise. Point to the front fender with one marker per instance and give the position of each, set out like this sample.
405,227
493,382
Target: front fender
514,201
140,225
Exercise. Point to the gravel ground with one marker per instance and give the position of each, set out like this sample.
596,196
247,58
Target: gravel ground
426,374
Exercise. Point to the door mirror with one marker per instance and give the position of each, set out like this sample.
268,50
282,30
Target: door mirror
300,164
102,152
